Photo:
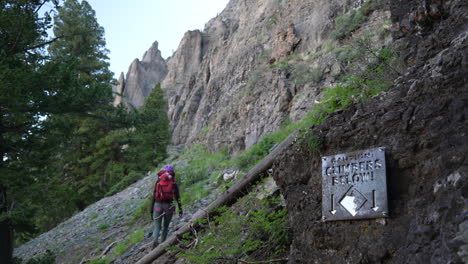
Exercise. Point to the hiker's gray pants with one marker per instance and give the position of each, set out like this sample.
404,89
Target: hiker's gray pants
162,215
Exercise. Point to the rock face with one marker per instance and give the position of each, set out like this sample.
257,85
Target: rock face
423,123
77,236
142,76
118,90
220,86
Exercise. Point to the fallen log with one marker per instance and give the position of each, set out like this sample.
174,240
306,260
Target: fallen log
230,195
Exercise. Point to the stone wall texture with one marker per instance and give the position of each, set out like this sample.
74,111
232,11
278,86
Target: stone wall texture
422,121
220,86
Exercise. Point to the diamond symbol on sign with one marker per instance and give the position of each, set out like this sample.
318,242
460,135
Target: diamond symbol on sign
352,201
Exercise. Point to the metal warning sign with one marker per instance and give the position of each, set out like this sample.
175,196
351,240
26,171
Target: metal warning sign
354,185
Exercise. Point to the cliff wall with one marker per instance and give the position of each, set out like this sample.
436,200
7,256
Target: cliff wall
422,122
221,87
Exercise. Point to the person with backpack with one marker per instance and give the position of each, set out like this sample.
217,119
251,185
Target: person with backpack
165,193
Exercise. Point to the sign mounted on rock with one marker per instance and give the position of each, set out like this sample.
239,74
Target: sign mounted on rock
354,185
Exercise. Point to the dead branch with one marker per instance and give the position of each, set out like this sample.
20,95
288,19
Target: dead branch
106,250
195,242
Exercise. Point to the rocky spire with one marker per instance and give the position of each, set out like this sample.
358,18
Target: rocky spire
118,90
142,76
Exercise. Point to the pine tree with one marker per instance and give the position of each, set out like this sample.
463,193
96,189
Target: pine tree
148,143
76,164
84,41
58,129
22,95
35,89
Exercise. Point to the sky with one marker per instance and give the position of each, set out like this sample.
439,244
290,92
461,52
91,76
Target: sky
131,26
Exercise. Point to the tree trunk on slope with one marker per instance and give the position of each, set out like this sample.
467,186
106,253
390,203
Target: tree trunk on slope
230,195
6,234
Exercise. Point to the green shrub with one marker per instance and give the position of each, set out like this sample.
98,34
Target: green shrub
255,153
330,47
280,64
231,235
260,150
103,226
347,53
100,261
312,144
303,72
347,23
269,228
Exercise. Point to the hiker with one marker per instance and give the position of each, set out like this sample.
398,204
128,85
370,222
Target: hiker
162,208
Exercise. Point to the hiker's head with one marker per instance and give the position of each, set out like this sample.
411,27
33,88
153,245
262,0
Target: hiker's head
169,168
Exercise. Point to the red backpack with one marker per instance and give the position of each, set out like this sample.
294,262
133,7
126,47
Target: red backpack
165,188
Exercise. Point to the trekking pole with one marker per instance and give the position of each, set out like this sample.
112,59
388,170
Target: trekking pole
161,215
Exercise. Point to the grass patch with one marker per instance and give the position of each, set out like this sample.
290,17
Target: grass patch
194,192
103,227
200,164
134,238
257,152
201,169
100,261
94,215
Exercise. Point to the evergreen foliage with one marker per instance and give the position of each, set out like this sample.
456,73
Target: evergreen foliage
62,142
148,142
83,41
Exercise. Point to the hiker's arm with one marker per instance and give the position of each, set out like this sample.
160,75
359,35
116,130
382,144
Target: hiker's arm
152,202
179,204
